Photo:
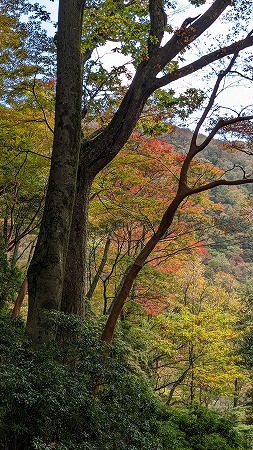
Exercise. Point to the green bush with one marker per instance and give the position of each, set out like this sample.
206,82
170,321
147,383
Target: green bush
205,429
47,398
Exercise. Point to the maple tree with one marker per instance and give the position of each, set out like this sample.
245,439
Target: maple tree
121,224
26,106
187,186
26,118
24,171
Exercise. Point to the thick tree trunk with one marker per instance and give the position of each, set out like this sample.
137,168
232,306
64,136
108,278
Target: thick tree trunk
95,155
47,268
73,301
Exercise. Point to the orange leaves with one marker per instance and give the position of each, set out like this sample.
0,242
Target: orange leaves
157,146
128,201
153,303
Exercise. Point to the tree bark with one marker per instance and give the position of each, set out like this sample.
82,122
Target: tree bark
19,299
47,268
73,301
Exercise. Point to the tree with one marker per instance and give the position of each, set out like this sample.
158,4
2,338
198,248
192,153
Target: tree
26,100
127,199
56,274
187,186
24,169
46,272
194,340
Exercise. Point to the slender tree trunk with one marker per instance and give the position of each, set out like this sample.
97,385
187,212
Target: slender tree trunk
176,384
236,394
20,299
134,269
100,269
47,268
192,377
16,246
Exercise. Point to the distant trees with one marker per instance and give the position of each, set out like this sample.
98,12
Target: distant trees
187,186
195,359
127,199
26,92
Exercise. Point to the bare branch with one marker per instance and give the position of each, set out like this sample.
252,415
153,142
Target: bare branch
184,36
212,98
241,75
28,228
204,61
40,105
215,183
221,124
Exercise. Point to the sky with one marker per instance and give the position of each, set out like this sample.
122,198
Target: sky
230,96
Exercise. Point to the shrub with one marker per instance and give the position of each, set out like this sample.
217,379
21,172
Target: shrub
46,400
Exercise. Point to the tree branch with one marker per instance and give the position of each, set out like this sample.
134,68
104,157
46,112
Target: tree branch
221,124
185,35
158,22
216,183
204,61
212,98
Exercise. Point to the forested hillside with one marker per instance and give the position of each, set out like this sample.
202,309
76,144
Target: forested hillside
126,248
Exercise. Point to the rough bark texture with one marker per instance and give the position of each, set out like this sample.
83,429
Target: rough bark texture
74,280
46,271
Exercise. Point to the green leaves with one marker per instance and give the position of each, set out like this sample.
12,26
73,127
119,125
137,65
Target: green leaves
182,105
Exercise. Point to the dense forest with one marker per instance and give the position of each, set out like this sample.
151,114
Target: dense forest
126,226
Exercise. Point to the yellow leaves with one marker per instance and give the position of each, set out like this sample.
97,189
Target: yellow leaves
199,328
25,149
8,37
220,378
202,172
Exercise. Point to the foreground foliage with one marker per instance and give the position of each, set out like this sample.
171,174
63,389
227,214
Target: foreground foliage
47,398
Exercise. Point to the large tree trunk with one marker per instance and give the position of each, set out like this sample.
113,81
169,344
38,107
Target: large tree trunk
95,155
47,268
73,301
